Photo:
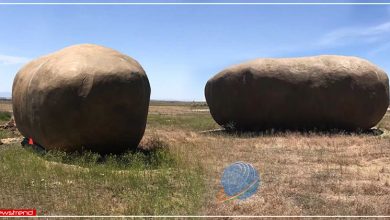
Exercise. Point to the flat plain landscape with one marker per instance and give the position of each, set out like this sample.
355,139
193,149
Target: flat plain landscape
5,105
302,173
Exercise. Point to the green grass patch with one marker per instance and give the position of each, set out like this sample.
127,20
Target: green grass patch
5,116
133,160
157,182
6,134
195,122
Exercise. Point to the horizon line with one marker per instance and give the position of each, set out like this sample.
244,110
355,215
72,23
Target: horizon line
151,100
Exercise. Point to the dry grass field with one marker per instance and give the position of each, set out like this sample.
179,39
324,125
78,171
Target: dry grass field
5,106
301,173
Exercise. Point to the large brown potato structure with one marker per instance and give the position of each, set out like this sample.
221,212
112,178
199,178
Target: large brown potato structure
83,96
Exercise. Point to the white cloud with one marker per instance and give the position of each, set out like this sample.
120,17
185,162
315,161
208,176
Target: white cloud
356,34
377,36
11,60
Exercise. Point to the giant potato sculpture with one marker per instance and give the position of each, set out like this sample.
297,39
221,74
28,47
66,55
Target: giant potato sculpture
82,97
323,92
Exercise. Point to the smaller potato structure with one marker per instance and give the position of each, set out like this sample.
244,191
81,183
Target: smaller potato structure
322,92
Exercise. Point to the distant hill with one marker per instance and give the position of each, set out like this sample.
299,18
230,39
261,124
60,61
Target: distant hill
5,95
170,102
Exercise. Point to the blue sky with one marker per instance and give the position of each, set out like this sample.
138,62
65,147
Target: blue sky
182,46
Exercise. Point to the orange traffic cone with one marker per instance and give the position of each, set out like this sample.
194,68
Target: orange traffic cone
30,141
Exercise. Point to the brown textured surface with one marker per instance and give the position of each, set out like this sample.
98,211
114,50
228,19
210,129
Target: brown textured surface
299,93
83,96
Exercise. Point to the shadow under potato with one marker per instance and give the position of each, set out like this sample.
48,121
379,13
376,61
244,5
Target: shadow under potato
282,132
153,154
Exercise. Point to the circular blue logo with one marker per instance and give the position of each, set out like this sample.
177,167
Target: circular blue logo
240,180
